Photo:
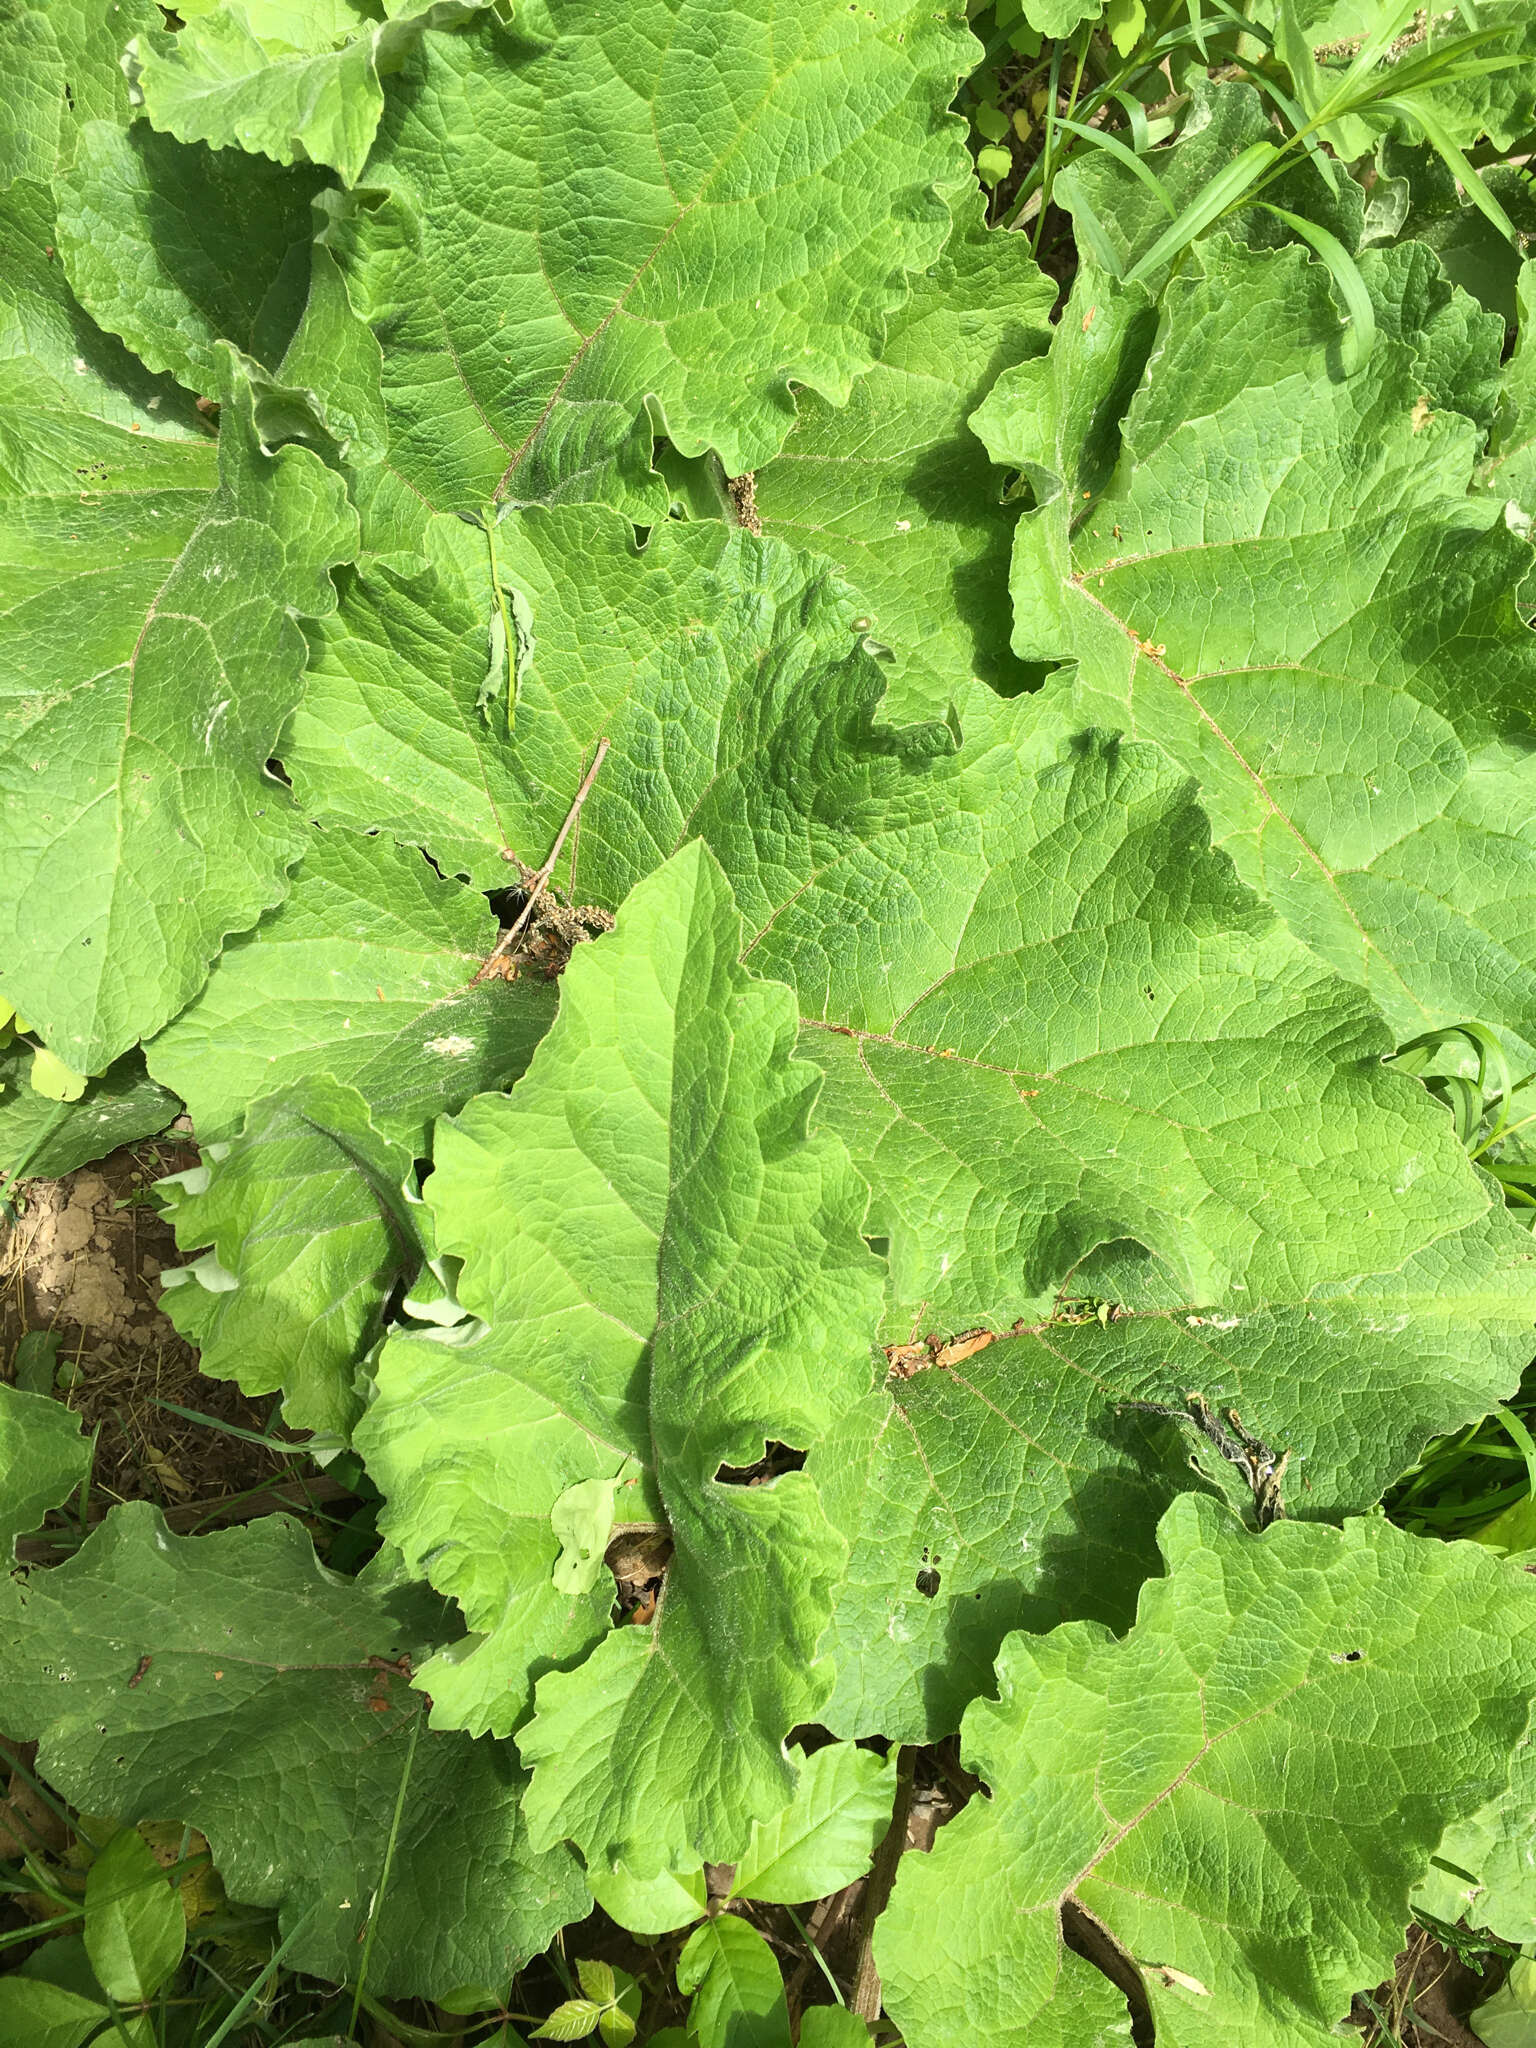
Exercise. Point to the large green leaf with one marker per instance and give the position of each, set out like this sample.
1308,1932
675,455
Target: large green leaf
669,1270
231,1683
61,67
897,491
365,973
301,84
823,1838
1286,584
43,1458
1242,1790
737,1987
827,1835
675,212
177,249
56,363
148,658
1007,1490
1484,1871
689,655
306,1227
1049,1015
84,426
404,723
1510,470
42,1138
135,1929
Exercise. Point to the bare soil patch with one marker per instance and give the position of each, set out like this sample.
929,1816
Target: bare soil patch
84,1260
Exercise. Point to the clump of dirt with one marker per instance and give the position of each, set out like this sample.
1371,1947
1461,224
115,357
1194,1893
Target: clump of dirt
1427,2000
84,1260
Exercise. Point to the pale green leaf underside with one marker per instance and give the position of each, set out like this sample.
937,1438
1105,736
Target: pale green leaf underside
1286,585
646,1200
1242,1790
1049,1016
1008,1492
307,1218
365,973
252,1723
677,203
148,658
43,1458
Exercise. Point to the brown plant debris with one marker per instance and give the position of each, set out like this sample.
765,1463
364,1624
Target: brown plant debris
83,1260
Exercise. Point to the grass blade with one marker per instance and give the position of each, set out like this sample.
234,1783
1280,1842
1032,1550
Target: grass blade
1439,138
1345,273
1224,190
1128,157
253,1991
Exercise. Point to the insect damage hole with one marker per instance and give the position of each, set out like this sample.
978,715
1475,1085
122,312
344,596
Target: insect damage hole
928,1577
638,1555
777,1459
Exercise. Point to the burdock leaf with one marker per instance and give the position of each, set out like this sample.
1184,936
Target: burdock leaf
231,1683
667,1267
149,655
1242,1790
596,228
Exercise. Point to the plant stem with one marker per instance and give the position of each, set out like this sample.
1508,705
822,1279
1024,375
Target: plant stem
540,881
877,1891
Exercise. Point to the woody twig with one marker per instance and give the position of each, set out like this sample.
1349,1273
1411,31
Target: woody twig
540,881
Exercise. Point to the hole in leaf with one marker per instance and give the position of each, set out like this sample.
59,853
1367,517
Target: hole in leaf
928,1576
1087,1936
777,1458
638,1557
1346,1656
